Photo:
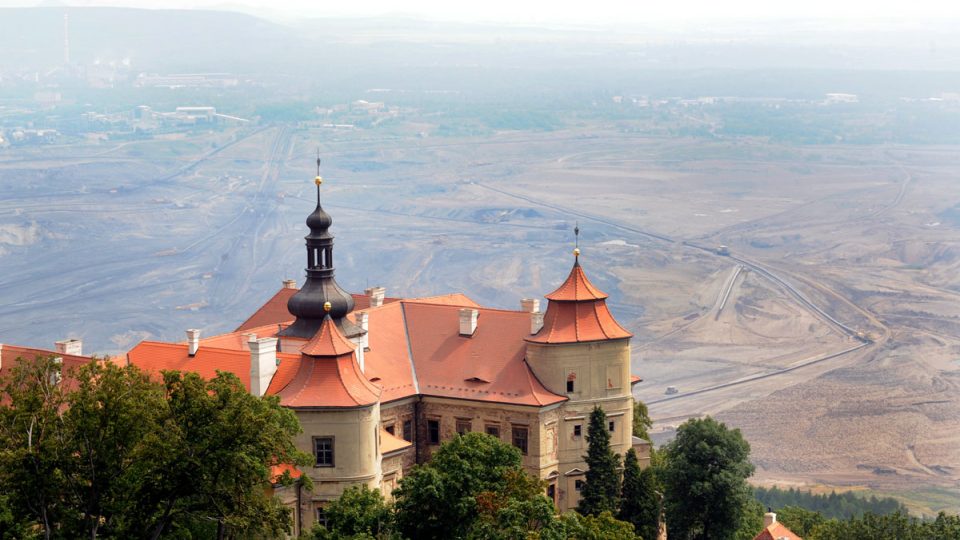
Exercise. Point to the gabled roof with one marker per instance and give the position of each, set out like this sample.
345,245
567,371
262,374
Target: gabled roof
776,531
155,356
10,353
445,362
576,288
328,341
271,313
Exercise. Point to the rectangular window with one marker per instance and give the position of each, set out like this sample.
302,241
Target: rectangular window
494,430
321,516
569,386
323,450
463,426
408,430
578,485
390,429
552,493
577,430
520,434
433,431
612,426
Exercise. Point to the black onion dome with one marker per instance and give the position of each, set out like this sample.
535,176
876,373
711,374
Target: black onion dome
320,288
319,222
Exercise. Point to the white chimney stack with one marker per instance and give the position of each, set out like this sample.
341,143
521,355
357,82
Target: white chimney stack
536,322
376,295
263,364
769,519
73,347
530,305
289,284
363,321
193,341
468,321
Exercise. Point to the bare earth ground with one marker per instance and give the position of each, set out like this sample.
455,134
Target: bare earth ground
117,243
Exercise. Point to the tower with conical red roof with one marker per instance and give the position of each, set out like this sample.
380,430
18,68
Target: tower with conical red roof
583,353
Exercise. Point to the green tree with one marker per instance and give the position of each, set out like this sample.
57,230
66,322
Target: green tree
519,510
358,511
641,420
439,499
640,504
600,527
799,520
601,491
704,477
122,455
211,460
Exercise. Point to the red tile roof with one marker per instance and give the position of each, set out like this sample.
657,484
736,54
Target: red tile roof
10,353
276,472
273,312
391,443
487,366
154,356
362,301
578,312
576,288
388,363
776,531
329,382
328,341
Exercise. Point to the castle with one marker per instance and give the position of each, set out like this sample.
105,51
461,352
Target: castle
378,383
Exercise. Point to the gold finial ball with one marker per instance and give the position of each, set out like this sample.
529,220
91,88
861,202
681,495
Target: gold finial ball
576,252
318,180
327,306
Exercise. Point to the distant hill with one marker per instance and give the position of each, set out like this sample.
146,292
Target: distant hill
154,40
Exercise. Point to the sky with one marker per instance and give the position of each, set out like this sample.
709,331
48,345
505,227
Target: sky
558,11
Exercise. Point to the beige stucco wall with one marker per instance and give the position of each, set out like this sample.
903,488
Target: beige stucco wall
357,457
601,374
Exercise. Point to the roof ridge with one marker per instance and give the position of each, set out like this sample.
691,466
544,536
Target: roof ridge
406,336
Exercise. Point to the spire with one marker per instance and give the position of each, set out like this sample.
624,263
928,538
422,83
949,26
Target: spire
320,288
576,244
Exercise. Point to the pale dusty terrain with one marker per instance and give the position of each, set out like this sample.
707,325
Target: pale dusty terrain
117,243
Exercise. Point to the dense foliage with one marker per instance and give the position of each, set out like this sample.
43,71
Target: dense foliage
896,526
601,491
641,420
705,481
108,452
835,505
640,503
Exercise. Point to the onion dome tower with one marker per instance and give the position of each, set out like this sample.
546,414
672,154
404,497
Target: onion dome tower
320,288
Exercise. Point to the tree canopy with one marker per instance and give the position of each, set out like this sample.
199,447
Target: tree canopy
640,503
124,455
601,490
705,487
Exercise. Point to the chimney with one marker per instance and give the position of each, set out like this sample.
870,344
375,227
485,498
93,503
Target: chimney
468,321
289,284
57,376
536,322
363,321
376,295
193,341
73,347
769,519
530,305
263,363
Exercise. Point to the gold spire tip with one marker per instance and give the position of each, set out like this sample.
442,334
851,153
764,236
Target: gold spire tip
576,252
318,180
327,306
